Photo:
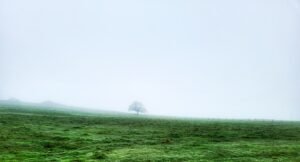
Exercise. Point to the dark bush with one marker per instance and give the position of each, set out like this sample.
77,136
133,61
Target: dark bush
99,155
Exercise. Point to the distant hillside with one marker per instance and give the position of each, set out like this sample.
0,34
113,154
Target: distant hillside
18,105
46,105
14,101
11,101
51,104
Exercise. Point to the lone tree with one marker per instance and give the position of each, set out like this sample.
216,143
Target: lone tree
137,107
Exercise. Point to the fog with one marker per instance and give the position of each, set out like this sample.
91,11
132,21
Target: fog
206,59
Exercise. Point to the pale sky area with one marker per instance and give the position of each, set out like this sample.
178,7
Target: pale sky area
194,58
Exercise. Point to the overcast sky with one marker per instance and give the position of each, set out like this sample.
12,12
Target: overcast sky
199,58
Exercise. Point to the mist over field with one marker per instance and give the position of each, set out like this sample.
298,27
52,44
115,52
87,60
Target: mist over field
206,59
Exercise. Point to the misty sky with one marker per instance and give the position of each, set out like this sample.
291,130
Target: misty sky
199,58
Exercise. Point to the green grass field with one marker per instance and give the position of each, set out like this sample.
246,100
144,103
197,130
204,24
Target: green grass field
32,134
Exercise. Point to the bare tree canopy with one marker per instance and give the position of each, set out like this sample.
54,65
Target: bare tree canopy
138,107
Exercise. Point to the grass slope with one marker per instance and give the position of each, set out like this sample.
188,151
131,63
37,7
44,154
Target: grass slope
28,134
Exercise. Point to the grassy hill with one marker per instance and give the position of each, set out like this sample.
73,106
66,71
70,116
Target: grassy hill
41,134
